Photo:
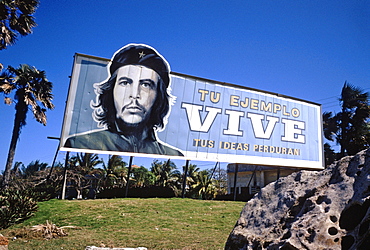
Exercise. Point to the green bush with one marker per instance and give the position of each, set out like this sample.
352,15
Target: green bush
15,206
44,192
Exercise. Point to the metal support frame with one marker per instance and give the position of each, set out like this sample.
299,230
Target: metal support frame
184,178
253,174
128,176
63,196
235,179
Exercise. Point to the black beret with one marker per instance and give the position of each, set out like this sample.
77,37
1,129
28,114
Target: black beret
140,54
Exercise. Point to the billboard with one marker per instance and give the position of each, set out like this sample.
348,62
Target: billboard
130,107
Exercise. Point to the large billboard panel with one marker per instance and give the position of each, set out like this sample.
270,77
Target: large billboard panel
184,116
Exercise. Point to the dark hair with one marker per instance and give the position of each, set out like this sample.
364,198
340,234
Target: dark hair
105,112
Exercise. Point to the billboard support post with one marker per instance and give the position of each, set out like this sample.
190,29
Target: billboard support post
65,176
128,176
55,157
52,165
250,180
214,169
184,178
235,179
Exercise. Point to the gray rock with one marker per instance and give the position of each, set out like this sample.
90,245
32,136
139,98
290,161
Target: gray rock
327,209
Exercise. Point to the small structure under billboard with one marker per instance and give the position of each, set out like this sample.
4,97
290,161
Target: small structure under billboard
245,180
129,107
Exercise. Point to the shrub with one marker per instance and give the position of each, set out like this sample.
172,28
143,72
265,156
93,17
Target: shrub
15,206
44,192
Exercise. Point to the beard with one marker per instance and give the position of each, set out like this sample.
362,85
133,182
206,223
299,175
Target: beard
132,129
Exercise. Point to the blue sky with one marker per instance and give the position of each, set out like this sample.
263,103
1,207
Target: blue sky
303,49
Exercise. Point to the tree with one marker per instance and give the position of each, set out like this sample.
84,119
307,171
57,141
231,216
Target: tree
203,188
350,127
86,162
16,19
82,171
330,155
166,174
143,177
115,172
32,179
354,120
15,175
33,167
220,181
190,177
192,173
31,89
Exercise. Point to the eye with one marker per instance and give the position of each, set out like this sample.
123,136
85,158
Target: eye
123,82
146,84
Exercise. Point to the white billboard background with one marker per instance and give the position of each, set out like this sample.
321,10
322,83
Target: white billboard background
213,121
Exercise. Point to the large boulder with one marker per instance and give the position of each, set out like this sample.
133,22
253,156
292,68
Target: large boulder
327,209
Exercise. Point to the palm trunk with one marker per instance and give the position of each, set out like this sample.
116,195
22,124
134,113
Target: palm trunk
11,153
19,121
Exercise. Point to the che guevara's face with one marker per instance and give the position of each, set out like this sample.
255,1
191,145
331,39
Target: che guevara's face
134,93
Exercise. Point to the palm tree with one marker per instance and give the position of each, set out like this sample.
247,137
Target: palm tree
83,172
87,162
143,177
355,112
203,188
191,176
166,174
31,89
115,172
29,176
330,126
16,19
33,167
330,155
15,175
350,127
192,173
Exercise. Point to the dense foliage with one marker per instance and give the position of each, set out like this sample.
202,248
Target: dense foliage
16,206
350,128
88,176
16,19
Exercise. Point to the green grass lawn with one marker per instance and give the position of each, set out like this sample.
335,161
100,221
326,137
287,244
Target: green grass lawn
152,223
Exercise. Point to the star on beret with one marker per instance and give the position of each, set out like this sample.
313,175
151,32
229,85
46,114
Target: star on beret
141,54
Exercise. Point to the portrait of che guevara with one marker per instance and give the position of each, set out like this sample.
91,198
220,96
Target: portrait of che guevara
131,105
